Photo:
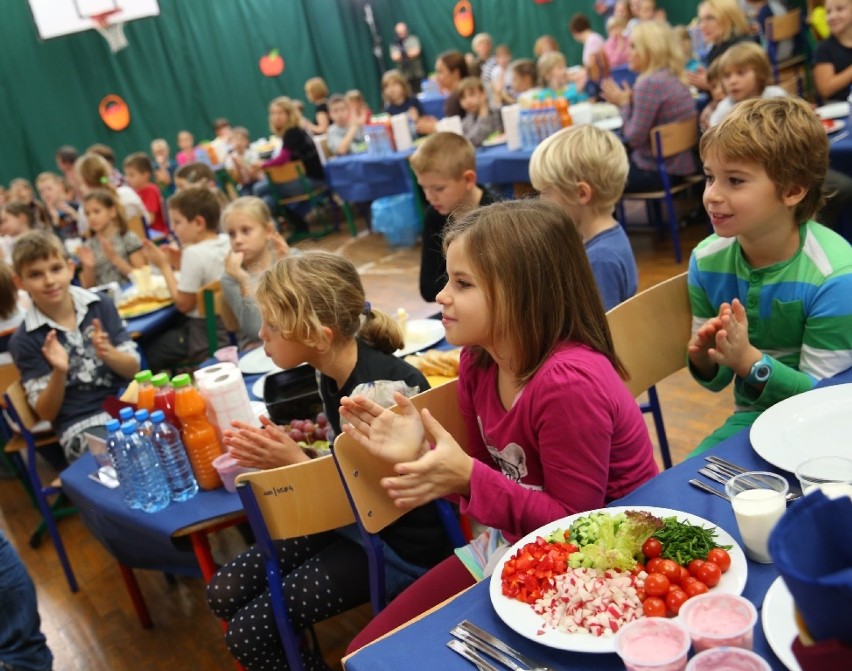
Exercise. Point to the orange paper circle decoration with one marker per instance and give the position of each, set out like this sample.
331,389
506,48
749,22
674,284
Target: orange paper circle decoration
114,112
463,18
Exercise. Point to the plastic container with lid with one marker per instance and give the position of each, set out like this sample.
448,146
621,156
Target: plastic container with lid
199,436
145,395
164,398
229,469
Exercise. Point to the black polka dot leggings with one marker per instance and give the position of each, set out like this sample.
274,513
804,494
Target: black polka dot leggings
323,575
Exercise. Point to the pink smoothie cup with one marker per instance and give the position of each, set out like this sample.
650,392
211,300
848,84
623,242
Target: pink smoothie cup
716,620
228,470
653,644
729,659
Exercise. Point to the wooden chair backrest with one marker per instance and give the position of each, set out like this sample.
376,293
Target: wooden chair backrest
792,85
288,172
18,398
220,305
136,225
784,26
675,137
300,499
363,472
9,374
650,332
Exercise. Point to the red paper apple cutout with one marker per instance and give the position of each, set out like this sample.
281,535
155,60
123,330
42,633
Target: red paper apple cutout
272,64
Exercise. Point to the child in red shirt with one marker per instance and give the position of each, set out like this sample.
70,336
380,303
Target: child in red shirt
137,171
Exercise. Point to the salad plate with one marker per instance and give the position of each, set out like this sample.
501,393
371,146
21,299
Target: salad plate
836,110
524,620
816,423
779,623
833,125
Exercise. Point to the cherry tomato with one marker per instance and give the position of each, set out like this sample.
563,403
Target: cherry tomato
670,569
709,574
652,548
694,565
695,588
674,588
653,565
684,574
688,581
674,600
656,584
654,607
720,557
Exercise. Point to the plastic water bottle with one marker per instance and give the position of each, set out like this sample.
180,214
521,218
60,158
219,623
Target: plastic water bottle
125,414
166,441
143,424
117,448
149,481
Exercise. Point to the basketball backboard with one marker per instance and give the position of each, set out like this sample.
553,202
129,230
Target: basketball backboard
54,18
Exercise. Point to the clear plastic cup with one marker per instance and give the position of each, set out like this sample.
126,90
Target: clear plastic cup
716,620
831,475
729,659
653,644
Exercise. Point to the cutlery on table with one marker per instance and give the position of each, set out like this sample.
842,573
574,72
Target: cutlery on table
490,645
707,488
838,137
471,655
728,470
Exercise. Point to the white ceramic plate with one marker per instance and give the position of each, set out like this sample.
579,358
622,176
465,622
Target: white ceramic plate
257,387
524,620
833,110
833,125
256,362
817,423
779,624
421,334
613,123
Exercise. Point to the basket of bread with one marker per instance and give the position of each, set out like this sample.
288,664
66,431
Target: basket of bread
438,366
147,294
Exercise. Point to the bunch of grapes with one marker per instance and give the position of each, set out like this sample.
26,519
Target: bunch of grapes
311,431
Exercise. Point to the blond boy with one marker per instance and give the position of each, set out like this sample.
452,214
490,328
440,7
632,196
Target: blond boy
771,290
72,349
445,168
583,169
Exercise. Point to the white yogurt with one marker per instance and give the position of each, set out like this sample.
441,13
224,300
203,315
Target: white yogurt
757,511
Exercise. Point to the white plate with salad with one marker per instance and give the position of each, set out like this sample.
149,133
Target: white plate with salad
524,620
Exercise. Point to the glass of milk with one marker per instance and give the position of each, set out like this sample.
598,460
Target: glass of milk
831,475
758,501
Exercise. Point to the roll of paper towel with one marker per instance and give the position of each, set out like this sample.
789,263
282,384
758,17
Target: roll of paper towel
209,371
511,115
401,131
227,399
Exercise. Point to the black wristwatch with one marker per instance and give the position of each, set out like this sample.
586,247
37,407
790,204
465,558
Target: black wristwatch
760,371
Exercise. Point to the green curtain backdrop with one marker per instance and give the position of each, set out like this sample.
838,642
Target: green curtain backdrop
199,60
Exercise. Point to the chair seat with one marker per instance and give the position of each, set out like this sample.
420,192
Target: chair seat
302,197
17,443
687,182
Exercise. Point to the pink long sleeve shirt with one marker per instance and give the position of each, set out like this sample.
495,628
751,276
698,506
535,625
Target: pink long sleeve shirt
573,440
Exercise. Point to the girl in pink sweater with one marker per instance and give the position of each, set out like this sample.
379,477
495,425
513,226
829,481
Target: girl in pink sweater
552,430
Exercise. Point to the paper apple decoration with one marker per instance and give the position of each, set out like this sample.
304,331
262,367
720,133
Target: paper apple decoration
463,18
114,112
272,64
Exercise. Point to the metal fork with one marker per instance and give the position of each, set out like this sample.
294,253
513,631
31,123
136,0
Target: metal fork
508,655
471,655
707,488
725,470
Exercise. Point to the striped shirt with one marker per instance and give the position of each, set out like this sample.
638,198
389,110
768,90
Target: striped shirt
799,311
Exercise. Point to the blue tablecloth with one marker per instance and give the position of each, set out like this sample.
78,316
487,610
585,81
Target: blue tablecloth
499,165
840,151
151,323
137,539
422,645
433,105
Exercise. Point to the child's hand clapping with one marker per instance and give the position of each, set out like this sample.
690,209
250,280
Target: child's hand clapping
100,339
733,348
269,447
388,435
86,256
54,352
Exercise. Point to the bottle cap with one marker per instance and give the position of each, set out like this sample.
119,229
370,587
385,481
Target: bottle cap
141,415
113,425
125,414
181,380
160,380
158,416
129,427
143,376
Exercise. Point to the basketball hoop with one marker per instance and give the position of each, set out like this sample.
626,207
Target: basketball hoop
113,33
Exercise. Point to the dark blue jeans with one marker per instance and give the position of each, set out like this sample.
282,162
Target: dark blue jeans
22,645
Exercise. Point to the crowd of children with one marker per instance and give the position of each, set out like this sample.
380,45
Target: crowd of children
769,290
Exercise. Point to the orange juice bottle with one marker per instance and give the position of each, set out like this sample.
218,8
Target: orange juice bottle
564,114
199,436
145,397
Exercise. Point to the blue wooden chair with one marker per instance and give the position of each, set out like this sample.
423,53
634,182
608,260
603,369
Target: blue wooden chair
650,332
27,439
666,141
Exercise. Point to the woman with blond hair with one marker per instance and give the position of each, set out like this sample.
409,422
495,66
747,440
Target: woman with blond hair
285,120
661,96
722,23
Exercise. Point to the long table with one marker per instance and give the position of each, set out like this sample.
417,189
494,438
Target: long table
422,643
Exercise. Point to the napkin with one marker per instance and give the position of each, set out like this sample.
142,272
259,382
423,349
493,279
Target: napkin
812,549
